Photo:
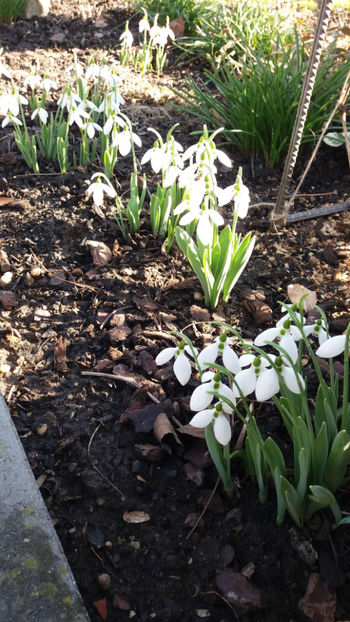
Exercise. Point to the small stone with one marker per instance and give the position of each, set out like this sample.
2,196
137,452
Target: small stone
37,8
41,430
6,278
240,592
197,296
35,272
104,581
8,300
314,261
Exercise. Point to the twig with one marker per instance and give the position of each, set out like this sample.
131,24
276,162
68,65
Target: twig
222,598
106,320
121,379
204,510
98,470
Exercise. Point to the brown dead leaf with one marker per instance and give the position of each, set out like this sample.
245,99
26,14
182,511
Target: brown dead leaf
136,516
319,602
191,431
330,255
103,365
60,354
9,159
147,362
189,283
143,418
119,333
101,254
296,291
8,300
194,474
147,306
178,27
164,430
254,301
199,314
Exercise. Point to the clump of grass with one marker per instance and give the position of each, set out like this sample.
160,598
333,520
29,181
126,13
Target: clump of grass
256,100
10,10
193,12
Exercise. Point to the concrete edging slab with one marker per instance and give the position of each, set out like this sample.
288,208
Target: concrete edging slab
36,583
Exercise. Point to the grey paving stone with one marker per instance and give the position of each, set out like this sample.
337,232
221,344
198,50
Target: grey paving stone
36,583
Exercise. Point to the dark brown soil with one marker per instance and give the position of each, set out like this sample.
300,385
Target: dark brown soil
90,439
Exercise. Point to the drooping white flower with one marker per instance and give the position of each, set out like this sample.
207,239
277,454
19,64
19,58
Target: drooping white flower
41,113
203,395
247,378
268,381
332,347
91,128
32,80
11,119
286,333
48,84
220,347
144,24
318,329
182,366
112,121
123,140
155,156
206,218
77,114
126,38
221,426
98,188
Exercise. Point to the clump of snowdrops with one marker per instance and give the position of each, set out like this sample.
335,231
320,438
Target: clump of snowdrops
90,101
186,206
150,54
232,385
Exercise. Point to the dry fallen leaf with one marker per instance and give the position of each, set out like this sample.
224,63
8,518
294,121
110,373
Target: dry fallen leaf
163,428
136,517
101,254
296,291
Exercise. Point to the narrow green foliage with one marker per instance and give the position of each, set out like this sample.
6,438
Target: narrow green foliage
191,11
10,10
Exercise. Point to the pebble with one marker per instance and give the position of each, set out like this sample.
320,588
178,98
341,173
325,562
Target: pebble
6,278
35,272
41,430
29,279
104,581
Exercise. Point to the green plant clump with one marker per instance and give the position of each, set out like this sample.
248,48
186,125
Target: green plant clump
191,11
10,10
256,100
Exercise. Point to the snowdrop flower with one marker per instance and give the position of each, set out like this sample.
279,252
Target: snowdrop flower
126,38
123,139
286,333
91,128
111,122
76,115
182,366
69,99
98,188
10,103
247,379
207,150
268,382
220,347
207,218
144,24
111,102
332,347
5,71
11,119
41,113
202,396
221,427
48,85
32,80
318,329
155,156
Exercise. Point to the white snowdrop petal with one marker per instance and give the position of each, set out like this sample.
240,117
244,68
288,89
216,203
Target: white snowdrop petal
157,160
331,347
246,359
216,217
182,369
203,418
267,385
208,355
205,229
246,379
231,360
189,350
208,375
146,156
223,158
267,335
200,398
288,344
291,379
124,143
165,355
225,391
98,195
222,430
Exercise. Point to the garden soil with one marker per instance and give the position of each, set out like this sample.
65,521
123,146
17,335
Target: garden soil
128,484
